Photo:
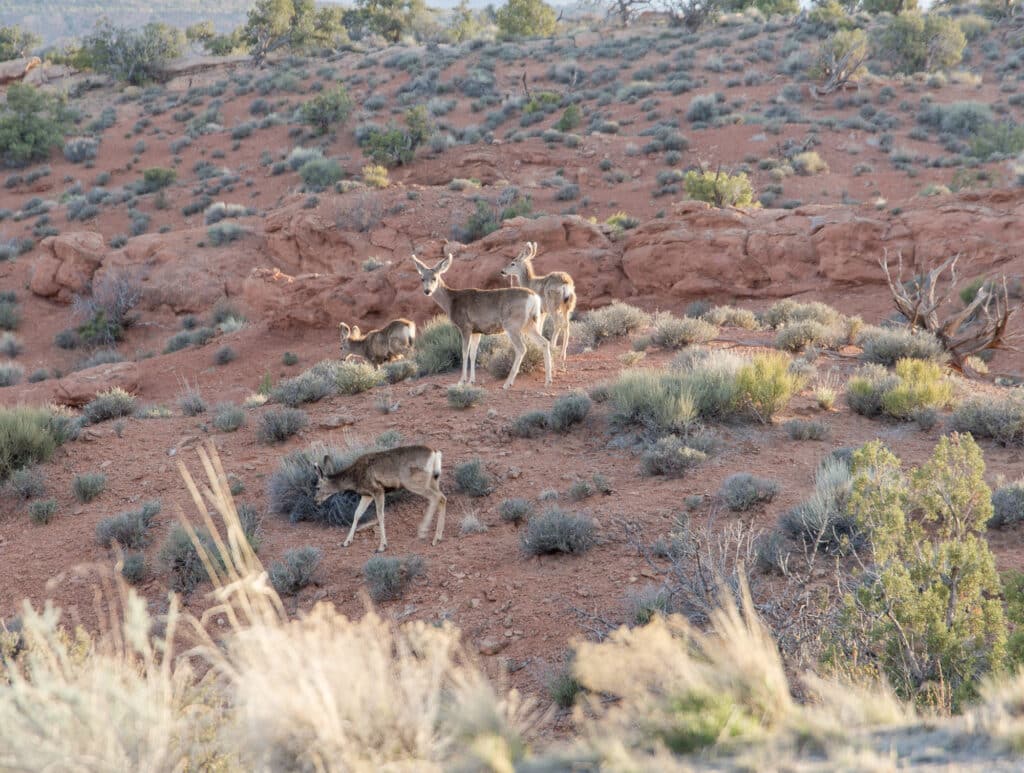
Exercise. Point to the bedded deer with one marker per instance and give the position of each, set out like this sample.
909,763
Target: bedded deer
556,290
514,310
416,469
394,340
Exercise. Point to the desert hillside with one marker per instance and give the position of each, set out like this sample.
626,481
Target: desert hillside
175,270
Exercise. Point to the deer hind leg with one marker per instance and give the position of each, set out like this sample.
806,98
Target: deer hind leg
474,345
531,333
516,337
363,504
564,319
436,504
378,500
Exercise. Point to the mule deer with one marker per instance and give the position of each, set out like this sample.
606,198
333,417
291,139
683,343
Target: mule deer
556,290
416,469
390,342
516,310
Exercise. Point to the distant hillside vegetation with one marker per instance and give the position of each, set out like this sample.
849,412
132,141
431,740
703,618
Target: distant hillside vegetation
57,20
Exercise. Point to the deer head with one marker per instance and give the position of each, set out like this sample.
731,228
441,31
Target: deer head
523,259
431,277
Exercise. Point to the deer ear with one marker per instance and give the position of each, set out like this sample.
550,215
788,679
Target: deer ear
445,264
345,331
355,330
419,266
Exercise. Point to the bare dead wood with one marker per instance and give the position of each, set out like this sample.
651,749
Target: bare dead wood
840,73
982,324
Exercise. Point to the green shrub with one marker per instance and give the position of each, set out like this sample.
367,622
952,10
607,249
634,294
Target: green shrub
675,333
191,403
525,19
28,436
998,417
730,316
279,424
571,118
228,417
912,42
648,603
438,347
224,233
295,571
224,355
157,178
569,410
612,321
797,336
800,429
387,578
327,110
498,356
27,483
742,491
130,529
651,400
351,378
111,404
463,396
10,374
719,189
41,511
321,173
766,385
471,478
671,456
180,557
133,567
400,370
930,602
788,311
1007,505
529,424
32,124
515,510
10,315
88,486
559,531
821,522
916,384
308,387
563,687
135,56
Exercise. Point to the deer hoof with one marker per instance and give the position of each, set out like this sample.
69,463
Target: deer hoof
382,548
422,534
436,540
346,543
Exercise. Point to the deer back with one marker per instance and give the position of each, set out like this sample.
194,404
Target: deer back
492,311
389,469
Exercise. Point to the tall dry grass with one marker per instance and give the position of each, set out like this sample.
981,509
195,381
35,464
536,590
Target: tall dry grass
263,692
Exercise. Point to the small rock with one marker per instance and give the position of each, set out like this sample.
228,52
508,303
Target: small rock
338,420
490,646
474,603
514,473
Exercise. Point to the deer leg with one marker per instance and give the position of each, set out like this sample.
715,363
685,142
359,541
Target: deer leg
565,335
378,500
466,343
474,344
442,504
543,343
363,504
520,349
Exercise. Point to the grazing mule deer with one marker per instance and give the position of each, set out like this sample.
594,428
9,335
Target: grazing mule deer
556,290
516,310
416,469
394,340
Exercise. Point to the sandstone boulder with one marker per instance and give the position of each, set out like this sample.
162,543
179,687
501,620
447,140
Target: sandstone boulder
65,264
78,388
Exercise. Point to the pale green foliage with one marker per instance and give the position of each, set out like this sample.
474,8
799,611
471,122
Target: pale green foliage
525,19
297,24
916,385
719,189
16,43
841,56
914,42
32,124
327,110
135,56
928,612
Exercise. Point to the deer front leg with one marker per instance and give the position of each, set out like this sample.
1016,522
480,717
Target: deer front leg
474,344
466,344
363,504
520,350
442,506
543,343
378,499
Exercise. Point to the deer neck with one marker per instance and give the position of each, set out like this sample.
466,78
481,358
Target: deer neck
442,297
526,274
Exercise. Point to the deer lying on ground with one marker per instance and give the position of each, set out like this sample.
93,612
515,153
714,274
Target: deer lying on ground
390,342
556,290
516,310
416,469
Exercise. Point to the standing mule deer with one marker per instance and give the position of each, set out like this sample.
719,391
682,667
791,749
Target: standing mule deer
516,310
394,340
556,290
416,469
